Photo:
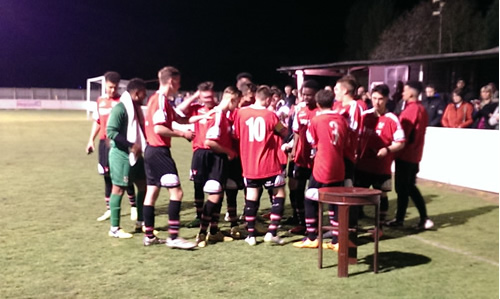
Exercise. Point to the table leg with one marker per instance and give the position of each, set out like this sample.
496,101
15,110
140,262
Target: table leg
343,255
320,235
377,227
353,235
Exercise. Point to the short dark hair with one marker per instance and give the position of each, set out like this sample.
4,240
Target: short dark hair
324,98
244,75
136,84
263,92
383,89
430,85
206,86
310,84
459,92
349,82
166,73
276,91
112,77
415,85
248,87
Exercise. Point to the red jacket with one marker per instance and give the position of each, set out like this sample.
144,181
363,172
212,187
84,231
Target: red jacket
460,117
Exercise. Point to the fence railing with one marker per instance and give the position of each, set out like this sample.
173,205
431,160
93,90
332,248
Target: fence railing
14,93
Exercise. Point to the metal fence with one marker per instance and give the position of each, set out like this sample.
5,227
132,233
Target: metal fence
14,93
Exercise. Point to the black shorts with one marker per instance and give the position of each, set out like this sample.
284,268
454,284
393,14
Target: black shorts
234,173
207,165
349,169
137,172
291,167
312,189
315,184
161,170
301,173
382,182
274,181
103,166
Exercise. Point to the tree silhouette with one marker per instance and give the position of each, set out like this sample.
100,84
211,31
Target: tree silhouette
416,32
364,24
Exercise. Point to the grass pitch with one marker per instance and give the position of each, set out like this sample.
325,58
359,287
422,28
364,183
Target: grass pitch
52,246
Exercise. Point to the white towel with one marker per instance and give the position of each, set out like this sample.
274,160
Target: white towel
134,131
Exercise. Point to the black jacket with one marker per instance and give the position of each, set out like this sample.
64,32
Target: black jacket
484,113
435,107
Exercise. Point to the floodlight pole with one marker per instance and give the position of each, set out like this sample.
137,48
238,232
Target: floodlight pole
439,14
440,29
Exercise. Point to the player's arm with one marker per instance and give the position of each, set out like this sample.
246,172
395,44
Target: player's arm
311,139
96,126
116,122
93,133
408,126
294,148
196,118
184,106
394,147
398,141
280,130
167,132
180,117
218,148
295,130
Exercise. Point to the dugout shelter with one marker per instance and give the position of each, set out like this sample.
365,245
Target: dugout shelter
477,68
479,166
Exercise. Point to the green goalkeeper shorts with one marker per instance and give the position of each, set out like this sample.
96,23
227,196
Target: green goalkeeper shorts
120,170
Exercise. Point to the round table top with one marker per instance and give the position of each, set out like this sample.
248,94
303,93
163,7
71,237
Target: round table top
350,191
349,195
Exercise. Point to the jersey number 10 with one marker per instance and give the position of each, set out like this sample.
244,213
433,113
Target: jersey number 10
256,129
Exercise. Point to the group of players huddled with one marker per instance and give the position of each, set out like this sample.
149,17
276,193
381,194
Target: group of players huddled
242,142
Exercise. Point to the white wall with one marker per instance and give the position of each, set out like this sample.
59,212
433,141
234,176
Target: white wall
44,104
462,157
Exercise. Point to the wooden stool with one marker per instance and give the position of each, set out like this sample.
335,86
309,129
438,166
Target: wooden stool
345,197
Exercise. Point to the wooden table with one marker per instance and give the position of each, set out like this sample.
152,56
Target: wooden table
345,197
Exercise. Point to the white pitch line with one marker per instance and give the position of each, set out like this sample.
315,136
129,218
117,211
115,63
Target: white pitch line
435,244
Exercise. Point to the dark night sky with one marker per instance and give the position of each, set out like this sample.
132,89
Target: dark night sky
62,43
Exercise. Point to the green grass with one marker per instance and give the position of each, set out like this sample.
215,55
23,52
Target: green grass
51,245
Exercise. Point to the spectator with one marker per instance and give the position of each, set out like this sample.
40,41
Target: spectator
180,98
468,95
493,121
495,91
289,98
363,98
395,104
434,105
459,113
484,108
